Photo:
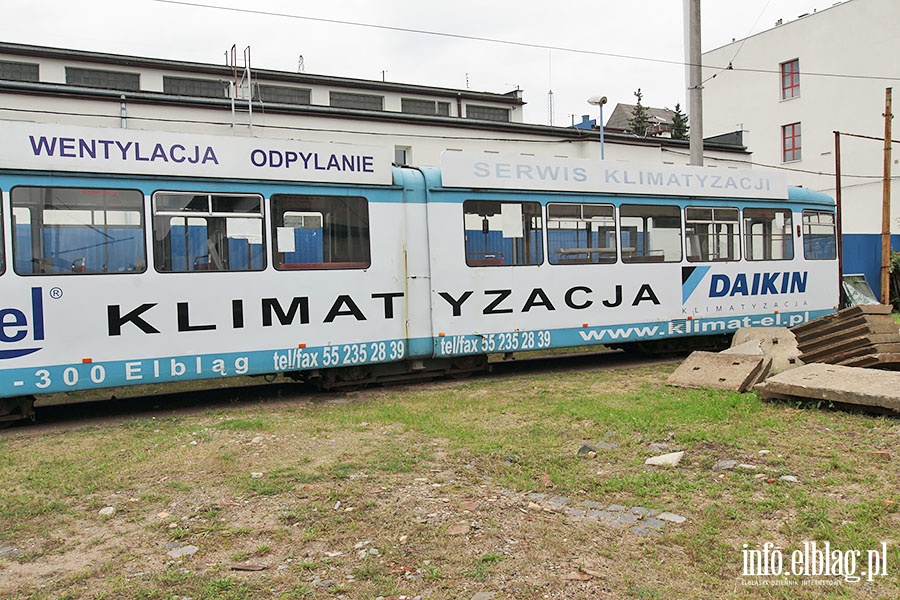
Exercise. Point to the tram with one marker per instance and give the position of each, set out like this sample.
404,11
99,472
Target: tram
131,257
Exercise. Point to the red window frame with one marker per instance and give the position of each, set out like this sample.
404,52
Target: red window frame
790,142
790,79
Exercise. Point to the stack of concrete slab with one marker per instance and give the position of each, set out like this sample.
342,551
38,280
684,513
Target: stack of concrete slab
755,353
859,336
835,384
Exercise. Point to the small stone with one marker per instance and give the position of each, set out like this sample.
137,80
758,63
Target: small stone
162,515
575,512
469,505
667,516
459,529
512,459
183,551
256,475
653,523
764,452
587,450
8,551
747,467
659,447
578,576
534,506
643,531
616,508
640,511
789,478
592,504
484,596
108,511
724,465
665,460
608,445
257,439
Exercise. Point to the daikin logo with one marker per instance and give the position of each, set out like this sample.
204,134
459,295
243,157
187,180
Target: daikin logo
15,325
742,284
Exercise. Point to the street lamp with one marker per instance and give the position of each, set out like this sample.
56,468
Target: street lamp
599,101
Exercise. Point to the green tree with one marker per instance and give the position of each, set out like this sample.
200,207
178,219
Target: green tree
680,127
639,121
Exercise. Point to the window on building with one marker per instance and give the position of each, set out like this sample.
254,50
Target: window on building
424,107
320,232
819,235
503,233
201,88
487,113
581,233
713,234
19,71
76,230
107,80
790,79
790,136
280,94
650,233
767,234
357,101
207,232
402,155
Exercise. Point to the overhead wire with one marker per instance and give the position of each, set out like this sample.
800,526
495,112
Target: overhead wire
477,38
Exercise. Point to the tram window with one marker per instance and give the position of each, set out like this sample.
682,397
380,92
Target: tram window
819,239
650,233
581,233
2,244
320,232
767,234
64,231
503,233
713,234
207,232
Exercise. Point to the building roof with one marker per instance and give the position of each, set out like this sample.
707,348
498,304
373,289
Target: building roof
660,118
512,98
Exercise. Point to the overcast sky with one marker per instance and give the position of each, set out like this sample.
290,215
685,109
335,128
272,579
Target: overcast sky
584,37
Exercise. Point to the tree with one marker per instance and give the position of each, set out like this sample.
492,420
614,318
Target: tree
639,121
680,127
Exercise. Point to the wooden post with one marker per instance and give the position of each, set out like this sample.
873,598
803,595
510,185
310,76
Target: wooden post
886,204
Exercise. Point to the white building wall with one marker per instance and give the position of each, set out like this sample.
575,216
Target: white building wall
856,38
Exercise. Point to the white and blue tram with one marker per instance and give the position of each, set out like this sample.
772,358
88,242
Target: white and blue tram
132,257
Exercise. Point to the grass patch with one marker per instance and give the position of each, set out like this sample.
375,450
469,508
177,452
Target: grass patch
437,477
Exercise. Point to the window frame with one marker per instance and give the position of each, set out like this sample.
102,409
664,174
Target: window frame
163,243
733,238
353,258
648,254
532,238
603,255
809,249
44,263
2,238
790,79
768,236
791,143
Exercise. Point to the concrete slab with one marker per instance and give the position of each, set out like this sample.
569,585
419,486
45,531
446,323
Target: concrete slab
836,383
777,343
736,372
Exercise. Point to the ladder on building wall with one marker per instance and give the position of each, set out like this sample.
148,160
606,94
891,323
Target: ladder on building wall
241,86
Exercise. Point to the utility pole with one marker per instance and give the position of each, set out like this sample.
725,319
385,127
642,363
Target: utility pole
695,76
886,204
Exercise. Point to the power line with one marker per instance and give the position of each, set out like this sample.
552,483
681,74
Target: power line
475,38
